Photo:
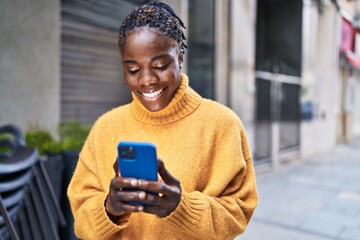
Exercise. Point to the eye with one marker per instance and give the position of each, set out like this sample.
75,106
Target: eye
162,67
133,70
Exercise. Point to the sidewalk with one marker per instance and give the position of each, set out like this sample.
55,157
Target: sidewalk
312,199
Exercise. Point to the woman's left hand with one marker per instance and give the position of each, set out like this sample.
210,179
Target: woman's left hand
167,193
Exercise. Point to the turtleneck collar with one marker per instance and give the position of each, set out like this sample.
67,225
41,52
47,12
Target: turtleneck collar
183,103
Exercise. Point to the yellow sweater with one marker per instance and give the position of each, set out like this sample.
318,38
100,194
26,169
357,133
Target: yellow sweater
201,142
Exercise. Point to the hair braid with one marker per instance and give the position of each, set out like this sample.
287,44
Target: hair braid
155,15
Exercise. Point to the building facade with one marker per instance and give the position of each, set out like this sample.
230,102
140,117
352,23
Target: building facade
276,63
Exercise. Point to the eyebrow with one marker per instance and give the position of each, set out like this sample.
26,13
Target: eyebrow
152,59
159,56
130,61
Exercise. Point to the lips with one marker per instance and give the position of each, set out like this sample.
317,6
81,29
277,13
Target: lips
151,96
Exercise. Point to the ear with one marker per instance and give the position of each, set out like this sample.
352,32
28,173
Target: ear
181,57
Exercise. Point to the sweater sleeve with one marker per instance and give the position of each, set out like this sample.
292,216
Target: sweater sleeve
224,215
87,197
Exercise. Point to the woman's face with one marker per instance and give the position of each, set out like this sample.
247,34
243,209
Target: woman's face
151,67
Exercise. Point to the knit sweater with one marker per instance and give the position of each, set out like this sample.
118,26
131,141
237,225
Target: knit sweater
201,142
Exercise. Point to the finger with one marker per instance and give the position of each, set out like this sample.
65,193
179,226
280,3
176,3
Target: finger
120,182
132,208
156,210
119,208
165,174
161,206
119,202
157,187
127,196
113,207
153,199
116,168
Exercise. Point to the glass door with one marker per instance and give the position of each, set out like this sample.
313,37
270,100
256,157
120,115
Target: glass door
278,78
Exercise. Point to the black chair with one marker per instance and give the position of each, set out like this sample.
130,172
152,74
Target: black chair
15,155
7,228
14,132
17,190
29,205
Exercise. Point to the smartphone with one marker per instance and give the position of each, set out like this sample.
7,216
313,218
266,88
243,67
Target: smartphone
138,160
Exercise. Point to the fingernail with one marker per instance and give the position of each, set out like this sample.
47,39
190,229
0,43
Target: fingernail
133,182
142,195
141,208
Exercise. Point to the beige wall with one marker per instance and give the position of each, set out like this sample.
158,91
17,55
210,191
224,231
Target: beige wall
320,74
241,88
30,63
356,107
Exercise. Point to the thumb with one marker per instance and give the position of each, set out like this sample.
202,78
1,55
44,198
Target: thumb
116,168
165,174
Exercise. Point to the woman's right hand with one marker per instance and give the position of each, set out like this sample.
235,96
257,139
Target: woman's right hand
115,204
116,201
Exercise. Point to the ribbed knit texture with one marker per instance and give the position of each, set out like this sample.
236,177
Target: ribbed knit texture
201,142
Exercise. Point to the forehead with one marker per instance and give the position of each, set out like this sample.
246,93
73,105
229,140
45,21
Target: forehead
147,38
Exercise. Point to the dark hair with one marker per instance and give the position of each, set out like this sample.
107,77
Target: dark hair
155,15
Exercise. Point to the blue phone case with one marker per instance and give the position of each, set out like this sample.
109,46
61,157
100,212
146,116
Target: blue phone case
138,160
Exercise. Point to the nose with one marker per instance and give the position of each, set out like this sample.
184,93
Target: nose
148,77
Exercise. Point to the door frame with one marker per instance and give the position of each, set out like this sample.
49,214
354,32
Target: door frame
277,155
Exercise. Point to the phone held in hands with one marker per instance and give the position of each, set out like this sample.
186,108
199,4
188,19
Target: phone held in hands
138,160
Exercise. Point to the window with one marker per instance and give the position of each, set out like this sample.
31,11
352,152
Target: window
201,47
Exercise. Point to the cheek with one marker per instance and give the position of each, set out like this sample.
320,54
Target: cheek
129,81
174,73
176,78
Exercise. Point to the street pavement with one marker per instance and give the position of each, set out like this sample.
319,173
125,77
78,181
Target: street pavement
316,198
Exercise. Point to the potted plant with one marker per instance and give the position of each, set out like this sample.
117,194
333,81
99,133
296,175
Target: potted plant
60,157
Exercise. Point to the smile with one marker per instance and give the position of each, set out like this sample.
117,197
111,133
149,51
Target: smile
152,95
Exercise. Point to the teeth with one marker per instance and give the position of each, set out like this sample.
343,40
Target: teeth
152,94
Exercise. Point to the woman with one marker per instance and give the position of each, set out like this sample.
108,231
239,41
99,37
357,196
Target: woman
207,188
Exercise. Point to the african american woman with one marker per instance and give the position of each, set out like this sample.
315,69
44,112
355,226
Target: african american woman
207,187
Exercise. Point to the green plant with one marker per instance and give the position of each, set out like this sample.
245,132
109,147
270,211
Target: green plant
5,149
43,141
72,137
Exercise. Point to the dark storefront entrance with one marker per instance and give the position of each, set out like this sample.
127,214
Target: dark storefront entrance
278,74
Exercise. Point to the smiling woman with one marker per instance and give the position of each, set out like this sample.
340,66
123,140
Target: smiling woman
152,67
151,41
207,189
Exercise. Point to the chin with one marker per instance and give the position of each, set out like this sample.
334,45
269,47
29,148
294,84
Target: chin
154,108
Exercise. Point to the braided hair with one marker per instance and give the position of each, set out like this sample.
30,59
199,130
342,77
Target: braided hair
155,15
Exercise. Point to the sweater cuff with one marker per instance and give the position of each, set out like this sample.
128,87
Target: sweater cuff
188,212
105,227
